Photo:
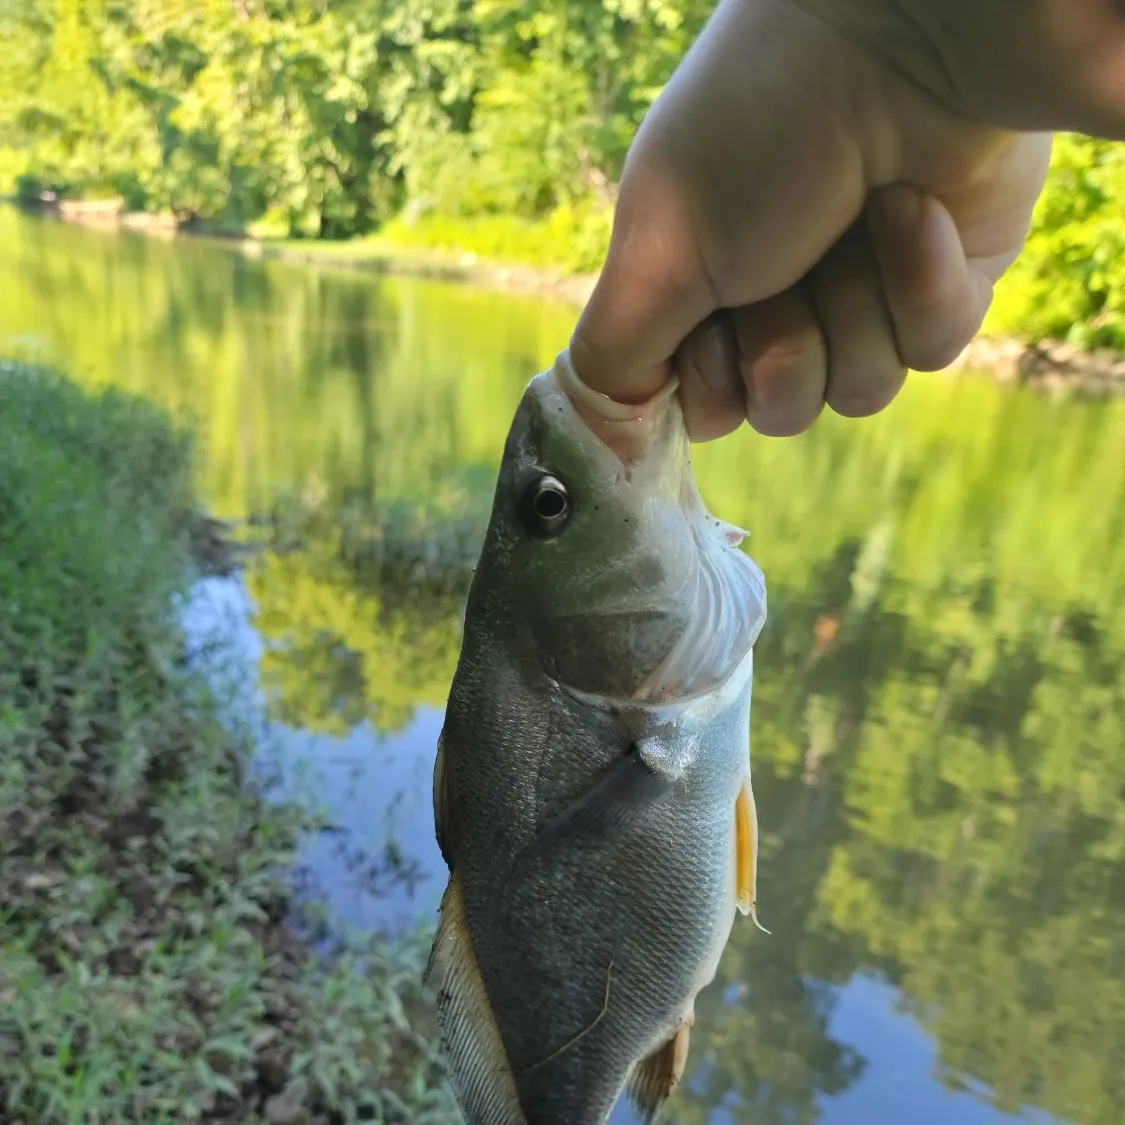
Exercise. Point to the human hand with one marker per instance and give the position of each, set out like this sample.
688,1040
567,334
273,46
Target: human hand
806,212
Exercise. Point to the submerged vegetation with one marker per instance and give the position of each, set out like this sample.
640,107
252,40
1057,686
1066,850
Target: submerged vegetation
497,127
147,971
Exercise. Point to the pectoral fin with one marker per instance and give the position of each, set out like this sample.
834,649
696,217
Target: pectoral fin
654,1079
611,806
746,850
478,1064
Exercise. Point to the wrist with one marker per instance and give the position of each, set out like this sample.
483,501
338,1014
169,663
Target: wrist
1015,64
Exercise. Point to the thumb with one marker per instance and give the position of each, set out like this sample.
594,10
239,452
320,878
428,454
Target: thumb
652,291
737,183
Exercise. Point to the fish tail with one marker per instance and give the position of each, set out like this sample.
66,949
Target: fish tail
479,1071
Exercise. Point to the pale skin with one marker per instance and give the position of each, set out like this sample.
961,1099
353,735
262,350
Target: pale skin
827,191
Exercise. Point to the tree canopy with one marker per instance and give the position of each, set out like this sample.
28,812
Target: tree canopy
495,126
334,113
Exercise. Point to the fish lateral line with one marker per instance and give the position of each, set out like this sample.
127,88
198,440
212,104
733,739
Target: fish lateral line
575,1039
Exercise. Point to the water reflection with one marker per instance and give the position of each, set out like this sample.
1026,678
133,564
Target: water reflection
939,710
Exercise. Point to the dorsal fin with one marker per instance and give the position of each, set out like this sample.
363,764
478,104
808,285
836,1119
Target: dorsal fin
478,1064
443,806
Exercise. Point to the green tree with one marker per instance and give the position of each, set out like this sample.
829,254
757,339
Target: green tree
324,113
1069,283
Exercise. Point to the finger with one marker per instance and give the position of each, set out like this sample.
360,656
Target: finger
864,369
784,362
711,387
651,292
936,301
720,208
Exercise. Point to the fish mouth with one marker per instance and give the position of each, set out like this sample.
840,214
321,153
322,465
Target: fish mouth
635,432
724,588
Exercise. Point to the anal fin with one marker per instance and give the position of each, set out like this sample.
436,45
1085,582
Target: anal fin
479,1071
655,1078
746,851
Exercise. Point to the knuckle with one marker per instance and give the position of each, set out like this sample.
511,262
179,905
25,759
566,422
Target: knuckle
780,423
936,353
796,351
863,396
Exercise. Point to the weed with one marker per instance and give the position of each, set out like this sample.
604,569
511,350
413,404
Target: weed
147,973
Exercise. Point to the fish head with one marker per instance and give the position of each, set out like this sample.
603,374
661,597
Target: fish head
602,553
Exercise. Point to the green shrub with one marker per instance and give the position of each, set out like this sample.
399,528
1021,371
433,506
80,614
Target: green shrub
572,239
1069,283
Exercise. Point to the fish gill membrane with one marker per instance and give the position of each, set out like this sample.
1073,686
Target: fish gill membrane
592,795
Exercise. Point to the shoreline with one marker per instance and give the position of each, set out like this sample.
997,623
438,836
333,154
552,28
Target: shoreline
154,906
366,255
436,265
1049,365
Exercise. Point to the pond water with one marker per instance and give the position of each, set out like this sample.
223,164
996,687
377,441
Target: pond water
939,705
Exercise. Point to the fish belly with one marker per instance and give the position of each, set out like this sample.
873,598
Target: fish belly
592,956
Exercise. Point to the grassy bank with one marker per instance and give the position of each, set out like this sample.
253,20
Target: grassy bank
570,241
146,974
558,255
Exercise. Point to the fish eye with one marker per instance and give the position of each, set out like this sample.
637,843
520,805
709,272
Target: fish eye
546,505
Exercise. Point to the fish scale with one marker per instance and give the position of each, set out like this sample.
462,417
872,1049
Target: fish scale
594,752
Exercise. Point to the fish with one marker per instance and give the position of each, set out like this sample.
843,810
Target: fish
592,786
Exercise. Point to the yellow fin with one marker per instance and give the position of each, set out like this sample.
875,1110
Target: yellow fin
746,849
654,1079
479,1071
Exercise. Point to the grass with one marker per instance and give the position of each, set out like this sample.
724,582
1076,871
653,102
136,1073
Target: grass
147,973
570,240
568,243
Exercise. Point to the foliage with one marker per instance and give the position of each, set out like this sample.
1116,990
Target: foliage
1069,283
328,114
145,971
496,127
572,237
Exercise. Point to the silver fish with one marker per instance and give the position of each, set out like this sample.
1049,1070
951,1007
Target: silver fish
592,794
